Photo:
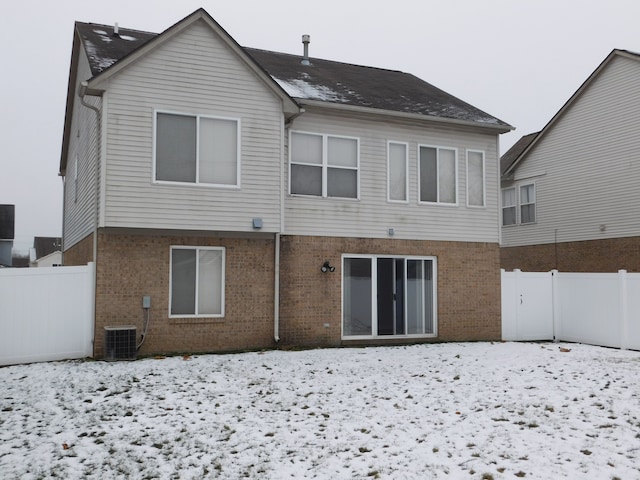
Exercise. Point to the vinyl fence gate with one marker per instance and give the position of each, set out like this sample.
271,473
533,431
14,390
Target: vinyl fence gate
593,308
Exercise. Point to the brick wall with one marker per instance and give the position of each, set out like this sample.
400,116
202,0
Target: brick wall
609,255
130,266
80,254
468,286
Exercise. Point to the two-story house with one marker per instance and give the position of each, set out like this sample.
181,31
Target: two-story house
255,197
570,195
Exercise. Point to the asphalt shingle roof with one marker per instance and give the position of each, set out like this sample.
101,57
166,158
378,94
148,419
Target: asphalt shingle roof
323,80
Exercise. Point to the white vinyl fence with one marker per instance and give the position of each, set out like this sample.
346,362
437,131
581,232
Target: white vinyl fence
46,314
594,308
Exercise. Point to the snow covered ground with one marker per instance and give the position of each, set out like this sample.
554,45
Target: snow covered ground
454,411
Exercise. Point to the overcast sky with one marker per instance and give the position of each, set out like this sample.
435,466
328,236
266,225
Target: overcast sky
518,60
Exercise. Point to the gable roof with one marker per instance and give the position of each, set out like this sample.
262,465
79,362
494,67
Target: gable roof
515,151
508,170
46,245
323,83
322,80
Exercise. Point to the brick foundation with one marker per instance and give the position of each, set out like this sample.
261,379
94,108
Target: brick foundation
468,288
608,255
130,266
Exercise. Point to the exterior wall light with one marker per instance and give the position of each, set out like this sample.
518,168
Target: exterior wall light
327,267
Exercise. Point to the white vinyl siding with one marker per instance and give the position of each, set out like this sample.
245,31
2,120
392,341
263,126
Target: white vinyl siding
197,149
323,165
194,73
438,175
586,167
397,172
197,282
373,215
82,160
475,178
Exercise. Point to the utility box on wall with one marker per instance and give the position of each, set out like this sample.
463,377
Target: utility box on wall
120,343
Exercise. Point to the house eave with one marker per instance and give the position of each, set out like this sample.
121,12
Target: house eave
324,105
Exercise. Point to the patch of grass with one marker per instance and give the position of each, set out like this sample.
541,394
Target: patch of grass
520,474
487,476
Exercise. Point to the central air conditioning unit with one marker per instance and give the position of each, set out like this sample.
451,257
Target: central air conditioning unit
120,343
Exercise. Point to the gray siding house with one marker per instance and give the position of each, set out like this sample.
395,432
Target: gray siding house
256,198
570,195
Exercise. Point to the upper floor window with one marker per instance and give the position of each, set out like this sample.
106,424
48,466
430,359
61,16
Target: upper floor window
197,149
397,168
527,203
324,165
438,176
475,178
509,206
519,206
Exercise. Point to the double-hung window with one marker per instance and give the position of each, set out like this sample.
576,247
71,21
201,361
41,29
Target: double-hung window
519,204
388,296
397,172
438,176
475,178
197,149
197,282
509,206
324,165
527,203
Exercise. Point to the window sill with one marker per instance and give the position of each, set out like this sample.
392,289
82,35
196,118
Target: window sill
195,320
390,338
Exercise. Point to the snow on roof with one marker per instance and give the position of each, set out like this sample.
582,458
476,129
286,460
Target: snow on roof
322,80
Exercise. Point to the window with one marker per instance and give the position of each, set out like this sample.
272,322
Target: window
397,169
197,282
197,149
525,206
475,178
388,296
437,175
509,206
527,203
323,165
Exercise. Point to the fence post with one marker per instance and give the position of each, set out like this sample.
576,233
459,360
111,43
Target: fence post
624,308
555,312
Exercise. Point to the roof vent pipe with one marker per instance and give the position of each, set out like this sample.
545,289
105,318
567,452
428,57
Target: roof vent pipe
306,39
116,30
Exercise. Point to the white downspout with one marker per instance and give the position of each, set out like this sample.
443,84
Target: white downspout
82,91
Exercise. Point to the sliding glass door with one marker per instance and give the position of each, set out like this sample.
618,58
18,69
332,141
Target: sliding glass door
388,296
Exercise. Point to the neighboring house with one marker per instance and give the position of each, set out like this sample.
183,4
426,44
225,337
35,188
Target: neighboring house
570,196
7,234
46,252
260,197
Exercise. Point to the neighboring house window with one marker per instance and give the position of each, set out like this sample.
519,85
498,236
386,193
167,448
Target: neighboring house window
509,206
527,203
388,296
197,149
475,178
197,282
324,165
397,168
438,175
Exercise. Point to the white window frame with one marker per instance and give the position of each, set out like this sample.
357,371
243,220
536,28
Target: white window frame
222,280
521,204
406,172
325,164
374,291
514,206
484,179
438,148
197,183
